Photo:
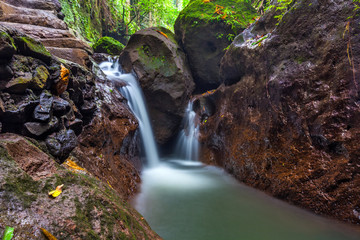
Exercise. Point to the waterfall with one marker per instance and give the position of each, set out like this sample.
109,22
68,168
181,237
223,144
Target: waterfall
187,146
133,93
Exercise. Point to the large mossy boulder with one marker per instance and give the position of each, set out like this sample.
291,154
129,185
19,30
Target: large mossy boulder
164,75
86,209
108,45
205,29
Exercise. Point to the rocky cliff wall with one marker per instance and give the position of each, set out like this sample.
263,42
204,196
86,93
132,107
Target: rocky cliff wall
286,120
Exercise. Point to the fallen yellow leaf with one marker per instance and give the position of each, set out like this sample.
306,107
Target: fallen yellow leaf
57,191
72,166
162,33
47,234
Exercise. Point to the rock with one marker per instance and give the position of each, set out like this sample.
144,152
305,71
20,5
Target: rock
288,120
41,76
7,47
100,57
30,47
60,144
60,106
163,75
76,125
24,15
75,55
109,146
66,43
108,45
37,129
33,4
88,107
204,31
30,159
36,81
42,111
81,206
20,112
6,73
19,84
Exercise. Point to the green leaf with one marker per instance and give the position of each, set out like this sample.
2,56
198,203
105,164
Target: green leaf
8,233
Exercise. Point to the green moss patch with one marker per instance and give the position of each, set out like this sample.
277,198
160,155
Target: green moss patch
235,13
30,47
155,61
108,45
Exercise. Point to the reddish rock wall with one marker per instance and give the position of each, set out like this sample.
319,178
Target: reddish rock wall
289,123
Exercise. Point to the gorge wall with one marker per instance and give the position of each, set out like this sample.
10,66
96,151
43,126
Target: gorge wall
286,119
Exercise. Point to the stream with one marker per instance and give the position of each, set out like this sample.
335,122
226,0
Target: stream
182,199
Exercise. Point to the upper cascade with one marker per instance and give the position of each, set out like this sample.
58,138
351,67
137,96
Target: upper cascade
133,93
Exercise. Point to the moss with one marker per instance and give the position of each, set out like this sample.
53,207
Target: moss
5,36
237,14
30,47
23,187
108,45
35,46
156,61
40,77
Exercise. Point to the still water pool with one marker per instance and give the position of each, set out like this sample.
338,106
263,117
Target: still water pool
184,200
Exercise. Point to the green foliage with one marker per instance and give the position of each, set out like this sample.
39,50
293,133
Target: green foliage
108,45
356,10
160,13
94,18
282,6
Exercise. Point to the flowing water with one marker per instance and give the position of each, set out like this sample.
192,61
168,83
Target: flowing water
133,93
187,146
186,200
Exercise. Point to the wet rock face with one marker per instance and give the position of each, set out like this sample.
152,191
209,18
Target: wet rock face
30,102
86,209
204,31
288,123
164,76
108,146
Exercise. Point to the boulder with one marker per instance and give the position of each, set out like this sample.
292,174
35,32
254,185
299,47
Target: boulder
205,30
43,111
60,106
164,75
287,121
108,45
86,209
38,129
60,144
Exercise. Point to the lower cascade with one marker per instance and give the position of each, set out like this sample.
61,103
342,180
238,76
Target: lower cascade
183,199
187,146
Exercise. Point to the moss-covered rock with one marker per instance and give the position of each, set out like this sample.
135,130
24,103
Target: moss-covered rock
30,47
108,45
41,76
164,75
205,29
7,47
86,208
